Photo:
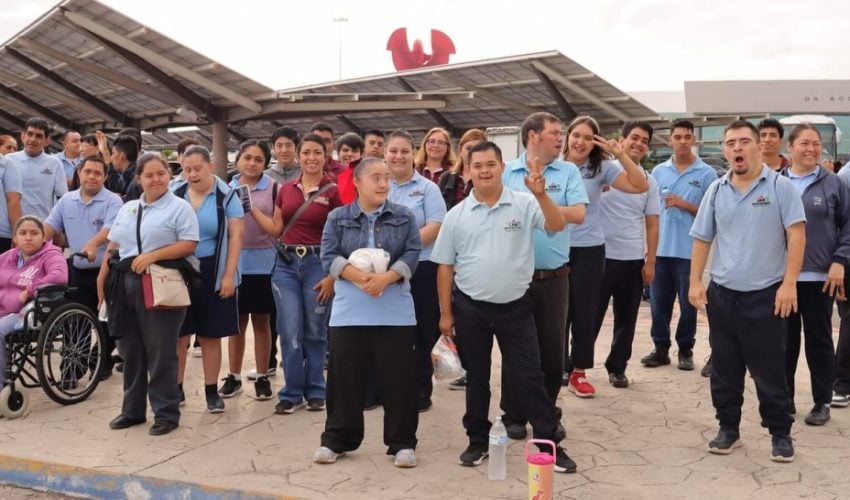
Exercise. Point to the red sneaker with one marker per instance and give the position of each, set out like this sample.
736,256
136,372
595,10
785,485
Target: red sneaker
580,386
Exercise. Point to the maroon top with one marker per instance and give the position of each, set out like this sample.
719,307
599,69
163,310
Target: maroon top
308,228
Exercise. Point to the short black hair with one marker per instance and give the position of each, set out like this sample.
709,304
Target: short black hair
375,132
486,146
288,132
95,158
314,138
135,134
742,124
322,127
127,145
772,123
89,139
351,140
267,153
38,123
682,123
631,125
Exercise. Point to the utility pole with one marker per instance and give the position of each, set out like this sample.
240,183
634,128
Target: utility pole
341,21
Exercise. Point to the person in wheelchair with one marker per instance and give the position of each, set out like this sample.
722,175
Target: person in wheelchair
32,263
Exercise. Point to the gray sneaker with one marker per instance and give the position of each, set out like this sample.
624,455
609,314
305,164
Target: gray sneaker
725,441
405,458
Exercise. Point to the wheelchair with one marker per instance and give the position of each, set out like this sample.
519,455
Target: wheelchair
59,345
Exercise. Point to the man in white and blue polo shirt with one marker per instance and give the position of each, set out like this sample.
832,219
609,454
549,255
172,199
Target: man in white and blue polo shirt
42,176
757,219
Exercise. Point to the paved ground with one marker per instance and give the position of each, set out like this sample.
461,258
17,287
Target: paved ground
647,441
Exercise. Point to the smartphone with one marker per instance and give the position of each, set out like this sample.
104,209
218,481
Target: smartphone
244,193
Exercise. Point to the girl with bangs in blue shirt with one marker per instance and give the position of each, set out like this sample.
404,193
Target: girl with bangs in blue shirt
213,313
373,322
590,152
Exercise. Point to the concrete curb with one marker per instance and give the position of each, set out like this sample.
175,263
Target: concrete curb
78,481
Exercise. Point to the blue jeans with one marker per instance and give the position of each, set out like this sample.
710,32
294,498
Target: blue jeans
302,325
672,279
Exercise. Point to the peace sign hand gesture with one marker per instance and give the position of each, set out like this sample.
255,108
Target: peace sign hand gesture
534,181
610,146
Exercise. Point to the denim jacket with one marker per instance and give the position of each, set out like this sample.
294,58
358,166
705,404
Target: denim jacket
347,229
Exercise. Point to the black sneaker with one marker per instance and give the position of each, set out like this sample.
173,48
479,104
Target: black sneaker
618,380
565,379
287,407
214,403
686,359
726,440
263,388
706,368
230,387
473,455
819,415
658,357
783,448
516,431
563,462
315,404
560,432
182,397
458,384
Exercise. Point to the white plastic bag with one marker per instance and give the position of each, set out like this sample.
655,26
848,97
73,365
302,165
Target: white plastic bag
370,260
446,361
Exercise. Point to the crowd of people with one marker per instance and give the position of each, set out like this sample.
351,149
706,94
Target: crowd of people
354,254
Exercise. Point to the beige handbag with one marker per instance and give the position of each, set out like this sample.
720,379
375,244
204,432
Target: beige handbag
164,288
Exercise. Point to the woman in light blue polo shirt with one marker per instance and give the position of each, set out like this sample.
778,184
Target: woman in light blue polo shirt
372,323
409,188
146,338
213,314
590,152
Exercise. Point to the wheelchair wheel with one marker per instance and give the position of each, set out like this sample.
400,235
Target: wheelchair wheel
70,353
13,403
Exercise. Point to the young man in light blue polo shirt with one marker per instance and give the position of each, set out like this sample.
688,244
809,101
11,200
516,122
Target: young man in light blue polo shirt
757,220
486,257
42,176
629,253
682,181
70,156
542,138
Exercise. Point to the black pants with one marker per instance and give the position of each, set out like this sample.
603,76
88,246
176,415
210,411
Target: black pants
842,350
5,244
391,351
476,323
623,281
814,316
746,335
423,287
273,350
147,344
85,280
549,303
588,266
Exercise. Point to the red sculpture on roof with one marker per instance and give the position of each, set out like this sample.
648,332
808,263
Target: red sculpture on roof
406,58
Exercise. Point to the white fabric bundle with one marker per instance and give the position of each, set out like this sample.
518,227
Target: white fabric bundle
370,260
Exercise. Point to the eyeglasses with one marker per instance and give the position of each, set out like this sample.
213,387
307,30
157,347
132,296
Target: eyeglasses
436,142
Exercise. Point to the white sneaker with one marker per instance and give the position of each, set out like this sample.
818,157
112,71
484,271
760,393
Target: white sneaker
325,455
405,458
840,400
196,352
252,375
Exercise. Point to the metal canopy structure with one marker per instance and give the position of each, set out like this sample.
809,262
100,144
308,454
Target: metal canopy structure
86,66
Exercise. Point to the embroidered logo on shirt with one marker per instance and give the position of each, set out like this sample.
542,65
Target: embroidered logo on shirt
553,187
818,201
47,171
513,226
321,200
418,192
695,182
761,201
97,222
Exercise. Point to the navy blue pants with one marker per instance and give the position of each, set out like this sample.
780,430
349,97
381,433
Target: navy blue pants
672,279
746,335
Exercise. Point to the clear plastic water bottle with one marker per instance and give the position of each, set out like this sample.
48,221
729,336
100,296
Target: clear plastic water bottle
496,462
675,213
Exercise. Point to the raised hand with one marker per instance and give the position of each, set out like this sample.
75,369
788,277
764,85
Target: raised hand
534,181
610,146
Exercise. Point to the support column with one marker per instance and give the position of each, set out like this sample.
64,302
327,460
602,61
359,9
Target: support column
220,137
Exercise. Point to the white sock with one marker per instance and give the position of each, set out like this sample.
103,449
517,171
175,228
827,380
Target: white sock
237,376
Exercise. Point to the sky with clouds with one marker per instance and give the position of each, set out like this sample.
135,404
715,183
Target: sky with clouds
638,45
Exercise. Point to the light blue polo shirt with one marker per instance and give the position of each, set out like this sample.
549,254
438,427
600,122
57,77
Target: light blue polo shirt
749,230
491,248
565,187
81,221
801,183
589,234
423,198
67,164
622,216
674,239
167,220
208,221
10,182
43,182
256,260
